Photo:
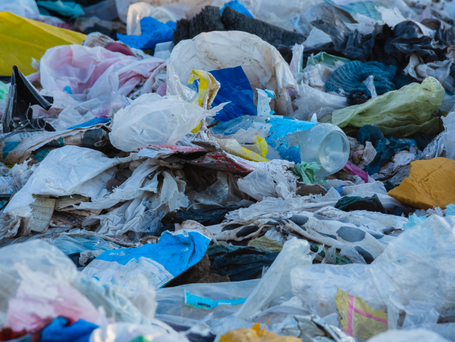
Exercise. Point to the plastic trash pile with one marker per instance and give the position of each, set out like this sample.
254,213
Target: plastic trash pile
227,171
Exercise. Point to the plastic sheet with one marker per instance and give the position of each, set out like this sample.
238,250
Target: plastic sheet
407,262
152,33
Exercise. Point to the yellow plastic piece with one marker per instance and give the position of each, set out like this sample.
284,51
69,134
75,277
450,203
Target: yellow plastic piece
262,144
208,88
358,318
23,39
232,146
255,334
430,184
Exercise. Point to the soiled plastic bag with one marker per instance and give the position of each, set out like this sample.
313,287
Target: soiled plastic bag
24,39
155,120
419,260
400,113
262,63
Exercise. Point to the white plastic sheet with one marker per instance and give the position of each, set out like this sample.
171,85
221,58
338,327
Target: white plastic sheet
417,266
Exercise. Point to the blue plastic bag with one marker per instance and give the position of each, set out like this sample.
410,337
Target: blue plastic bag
60,331
152,33
236,89
236,5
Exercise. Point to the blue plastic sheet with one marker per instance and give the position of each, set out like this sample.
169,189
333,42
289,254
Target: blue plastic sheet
152,33
92,122
350,77
236,5
159,263
60,331
236,89
208,304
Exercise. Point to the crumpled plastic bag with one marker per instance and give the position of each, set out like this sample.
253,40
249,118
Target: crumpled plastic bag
152,32
262,63
421,335
399,113
40,297
307,172
95,71
428,184
155,120
24,39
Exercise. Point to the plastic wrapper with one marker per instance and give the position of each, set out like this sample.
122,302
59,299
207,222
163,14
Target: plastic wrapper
261,62
152,32
255,334
400,113
155,120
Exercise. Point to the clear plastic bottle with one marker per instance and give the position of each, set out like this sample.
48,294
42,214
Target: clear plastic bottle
295,140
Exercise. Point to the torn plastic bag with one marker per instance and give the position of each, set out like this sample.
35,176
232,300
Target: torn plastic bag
399,113
24,39
379,284
237,5
261,62
96,71
152,33
54,266
264,183
31,307
235,89
186,249
311,101
448,135
155,120
19,147
275,283
89,169
351,77
441,70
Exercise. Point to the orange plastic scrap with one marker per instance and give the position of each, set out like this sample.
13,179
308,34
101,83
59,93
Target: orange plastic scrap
23,39
430,184
255,334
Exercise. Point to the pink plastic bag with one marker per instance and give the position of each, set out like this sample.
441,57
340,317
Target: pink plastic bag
41,297
96,71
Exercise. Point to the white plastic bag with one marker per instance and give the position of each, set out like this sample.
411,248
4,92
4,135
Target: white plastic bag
262,63
155,120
